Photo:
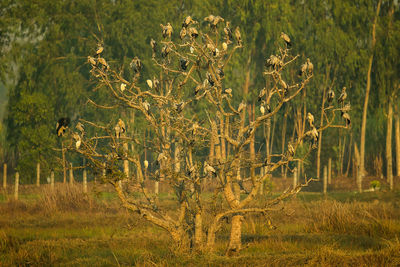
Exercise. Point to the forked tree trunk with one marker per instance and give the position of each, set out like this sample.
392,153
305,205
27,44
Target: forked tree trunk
361,170
389,159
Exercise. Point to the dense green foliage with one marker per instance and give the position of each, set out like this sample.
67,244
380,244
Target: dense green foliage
44,47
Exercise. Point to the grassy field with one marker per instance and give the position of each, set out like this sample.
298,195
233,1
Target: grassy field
68,228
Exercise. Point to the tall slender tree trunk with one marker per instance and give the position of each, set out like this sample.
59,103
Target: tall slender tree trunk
4,175
283,138
349,156
64,163
252,141
38,174
389,159
361,171
397,136
327,72
320,134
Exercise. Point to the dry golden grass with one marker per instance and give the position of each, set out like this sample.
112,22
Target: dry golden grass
67,227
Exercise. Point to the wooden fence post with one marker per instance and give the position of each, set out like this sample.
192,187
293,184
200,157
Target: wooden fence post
71,174
5,175
16,185
156,187
38,174
52,180
325,179
84,181
329,171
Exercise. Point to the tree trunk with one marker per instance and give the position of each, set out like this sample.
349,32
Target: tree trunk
198,232
252,141
389,159
397,136
329,171
16,186
283,138
71,174
349,156
235,239
126,162
63,163
38,174
320,134
5,175
361,170
84,181
52,180
357,168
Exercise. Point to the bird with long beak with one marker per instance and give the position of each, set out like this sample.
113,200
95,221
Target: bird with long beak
146,106
331,95
242,106
346,117
310,66
291,150
153,45
310,119
228,31
188,20
262,109
99,49
238,36
273,61
286,38
166,30
192,32
136,65
79,126
117,130
313,133
78,140
156,84
149,83
261,95
123,87
121,124
209,170
182,33
342,96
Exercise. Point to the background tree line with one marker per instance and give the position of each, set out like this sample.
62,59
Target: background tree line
44,47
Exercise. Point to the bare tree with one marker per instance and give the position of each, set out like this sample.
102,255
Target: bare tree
198,133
